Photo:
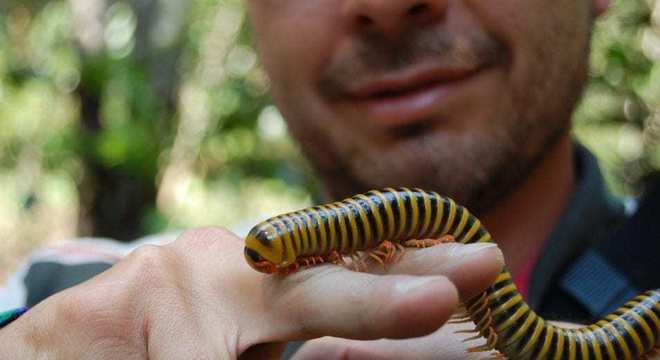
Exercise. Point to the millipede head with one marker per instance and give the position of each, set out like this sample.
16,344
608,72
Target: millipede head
264,249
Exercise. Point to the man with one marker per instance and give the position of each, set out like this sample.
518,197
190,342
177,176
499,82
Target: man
470,98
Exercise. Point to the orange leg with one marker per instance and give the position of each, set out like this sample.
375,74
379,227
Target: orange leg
386,253
387,250
376,256
424,243
357,263
484,326
307,261
336,258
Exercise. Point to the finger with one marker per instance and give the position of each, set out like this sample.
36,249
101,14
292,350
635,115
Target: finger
338,302
472,268
443,344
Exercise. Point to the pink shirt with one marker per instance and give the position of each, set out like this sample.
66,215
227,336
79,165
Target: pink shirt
524,275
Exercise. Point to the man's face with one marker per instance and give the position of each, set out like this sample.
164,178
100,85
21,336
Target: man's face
462,97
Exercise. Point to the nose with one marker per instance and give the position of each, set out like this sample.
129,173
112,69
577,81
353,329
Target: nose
391,17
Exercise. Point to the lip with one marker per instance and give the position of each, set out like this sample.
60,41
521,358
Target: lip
409,96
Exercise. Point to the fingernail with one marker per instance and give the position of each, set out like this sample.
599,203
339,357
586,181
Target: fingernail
470,249
410,284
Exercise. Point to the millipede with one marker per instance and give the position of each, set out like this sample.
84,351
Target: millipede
378,224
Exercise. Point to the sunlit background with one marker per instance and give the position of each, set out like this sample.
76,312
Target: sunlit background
124,118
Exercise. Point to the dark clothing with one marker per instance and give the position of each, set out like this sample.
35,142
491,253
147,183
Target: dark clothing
597,258
592,216
47,278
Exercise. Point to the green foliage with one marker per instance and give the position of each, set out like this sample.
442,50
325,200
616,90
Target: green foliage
112,127
619,117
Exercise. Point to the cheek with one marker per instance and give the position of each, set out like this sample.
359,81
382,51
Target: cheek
529,27
544,38
294,50
295,41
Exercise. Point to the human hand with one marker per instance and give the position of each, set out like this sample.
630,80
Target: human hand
197,298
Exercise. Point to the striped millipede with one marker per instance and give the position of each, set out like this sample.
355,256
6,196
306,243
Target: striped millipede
364,222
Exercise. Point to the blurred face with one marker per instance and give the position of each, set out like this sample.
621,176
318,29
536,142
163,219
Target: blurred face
463,97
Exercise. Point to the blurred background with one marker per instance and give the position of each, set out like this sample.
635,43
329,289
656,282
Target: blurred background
125,118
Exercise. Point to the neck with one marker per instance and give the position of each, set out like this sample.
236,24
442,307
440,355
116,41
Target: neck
522,222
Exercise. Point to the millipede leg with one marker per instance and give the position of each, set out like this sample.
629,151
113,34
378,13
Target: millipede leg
457,319
484,325
386,253
375,255
651,354
336,258
357,263
424,243
289,269
400,251
308,261
460,316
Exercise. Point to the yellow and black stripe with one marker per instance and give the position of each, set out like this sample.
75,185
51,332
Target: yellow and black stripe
501,315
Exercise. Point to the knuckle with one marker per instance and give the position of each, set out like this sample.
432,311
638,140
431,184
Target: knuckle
152,264
206,238
150,256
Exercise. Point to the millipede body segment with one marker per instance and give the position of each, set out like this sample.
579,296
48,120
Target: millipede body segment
501,316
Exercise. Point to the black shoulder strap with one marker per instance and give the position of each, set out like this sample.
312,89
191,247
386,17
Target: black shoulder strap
44,279
615,270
